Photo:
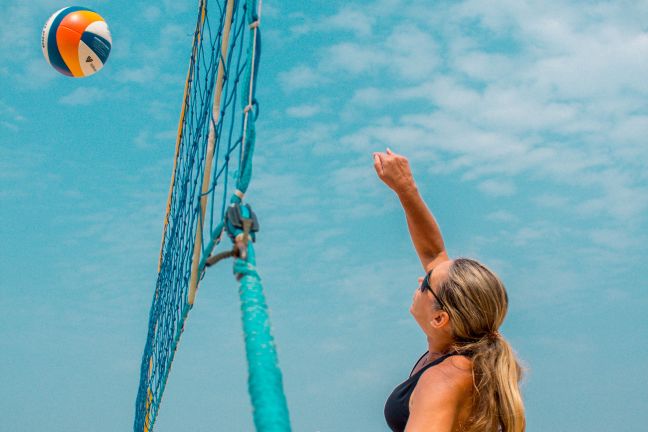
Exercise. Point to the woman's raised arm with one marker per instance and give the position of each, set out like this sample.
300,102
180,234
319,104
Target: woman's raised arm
395,172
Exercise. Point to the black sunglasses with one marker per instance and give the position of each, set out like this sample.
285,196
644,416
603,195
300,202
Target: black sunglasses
425,286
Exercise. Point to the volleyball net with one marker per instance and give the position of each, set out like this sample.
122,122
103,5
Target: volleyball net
211,173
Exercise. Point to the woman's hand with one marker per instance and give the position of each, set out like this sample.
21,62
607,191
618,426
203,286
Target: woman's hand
394,171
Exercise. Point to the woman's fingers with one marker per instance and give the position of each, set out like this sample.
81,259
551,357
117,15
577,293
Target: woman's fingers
378,164
384,163
388,166
393,169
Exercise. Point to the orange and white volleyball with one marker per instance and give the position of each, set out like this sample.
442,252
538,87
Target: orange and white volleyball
76,41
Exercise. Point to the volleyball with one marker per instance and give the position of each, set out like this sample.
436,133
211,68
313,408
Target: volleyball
76,41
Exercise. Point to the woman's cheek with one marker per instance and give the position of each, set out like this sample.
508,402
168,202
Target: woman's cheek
415,305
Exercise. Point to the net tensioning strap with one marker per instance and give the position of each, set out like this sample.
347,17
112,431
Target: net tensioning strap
213,162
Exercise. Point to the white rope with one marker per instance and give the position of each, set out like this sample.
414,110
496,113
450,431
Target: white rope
255,26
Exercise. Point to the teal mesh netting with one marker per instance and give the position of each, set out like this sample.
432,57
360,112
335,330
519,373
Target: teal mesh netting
227,37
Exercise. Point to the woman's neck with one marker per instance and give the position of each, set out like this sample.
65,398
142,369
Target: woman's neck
437,348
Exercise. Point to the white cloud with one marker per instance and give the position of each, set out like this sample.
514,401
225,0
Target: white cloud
616,239
162,110
141,75
551,201
83,96
407,52
528,92
502,216
10,118
11,126
172,6
368,97
318,138
411,52
348,19
351,58
299,77
631,132
151,13
300,29
496,188
484,66
171,37
351,19
270,10
303,111
35,73
148,60
146,139
21,19
528,234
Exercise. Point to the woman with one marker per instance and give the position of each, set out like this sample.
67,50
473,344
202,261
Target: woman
468,380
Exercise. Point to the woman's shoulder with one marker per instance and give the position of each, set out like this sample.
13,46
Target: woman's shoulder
453,374
444,392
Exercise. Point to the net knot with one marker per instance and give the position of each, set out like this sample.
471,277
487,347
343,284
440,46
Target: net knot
251,107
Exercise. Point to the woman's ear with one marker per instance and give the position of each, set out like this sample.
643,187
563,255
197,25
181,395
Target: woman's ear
440,319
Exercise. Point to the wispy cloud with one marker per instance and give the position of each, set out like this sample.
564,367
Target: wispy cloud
551,200
303,111
502,216
83,96
151,13
513,98
497,188
542,112
408,52
147,139
300,77
10,117
351,19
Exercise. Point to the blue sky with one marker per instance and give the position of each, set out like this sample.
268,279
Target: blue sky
525,123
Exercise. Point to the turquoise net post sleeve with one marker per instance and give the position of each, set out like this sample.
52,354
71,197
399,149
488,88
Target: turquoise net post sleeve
264,381
265,386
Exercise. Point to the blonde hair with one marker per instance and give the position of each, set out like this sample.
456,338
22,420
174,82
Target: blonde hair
476,301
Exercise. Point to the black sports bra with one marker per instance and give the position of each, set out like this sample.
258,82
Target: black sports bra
397,405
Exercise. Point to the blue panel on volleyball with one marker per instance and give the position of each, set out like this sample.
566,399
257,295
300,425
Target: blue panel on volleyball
99,45
52,50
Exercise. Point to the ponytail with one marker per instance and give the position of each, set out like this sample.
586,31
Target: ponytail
508,374
498,402
477,304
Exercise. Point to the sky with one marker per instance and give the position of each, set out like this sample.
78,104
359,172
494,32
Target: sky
525,123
